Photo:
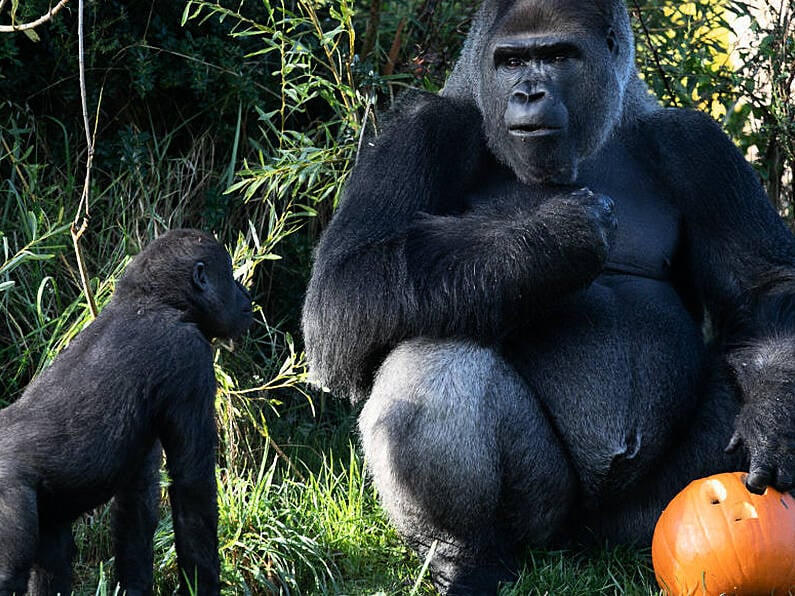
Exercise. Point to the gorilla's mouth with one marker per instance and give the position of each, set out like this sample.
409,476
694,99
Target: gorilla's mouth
527,131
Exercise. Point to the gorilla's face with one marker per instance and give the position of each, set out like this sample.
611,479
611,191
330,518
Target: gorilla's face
221,305
189,270
549,91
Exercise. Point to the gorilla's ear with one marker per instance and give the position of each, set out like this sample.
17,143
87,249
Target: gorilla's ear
200,276
612,43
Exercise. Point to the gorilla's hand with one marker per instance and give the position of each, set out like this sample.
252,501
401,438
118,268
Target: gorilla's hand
584,223
765,425
770,442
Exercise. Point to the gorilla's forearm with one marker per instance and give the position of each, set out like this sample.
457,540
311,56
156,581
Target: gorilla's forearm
761,340
360,305
475,273
353,312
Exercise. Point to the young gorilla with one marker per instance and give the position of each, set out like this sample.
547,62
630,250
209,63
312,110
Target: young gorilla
91,426
517,281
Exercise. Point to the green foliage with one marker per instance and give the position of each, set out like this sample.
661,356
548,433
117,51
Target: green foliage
151,73
683,52
307,139
690,59
764,122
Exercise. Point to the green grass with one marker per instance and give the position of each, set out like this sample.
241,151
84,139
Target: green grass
324,533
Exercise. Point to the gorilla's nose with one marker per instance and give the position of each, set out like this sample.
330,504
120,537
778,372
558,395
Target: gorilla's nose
523,95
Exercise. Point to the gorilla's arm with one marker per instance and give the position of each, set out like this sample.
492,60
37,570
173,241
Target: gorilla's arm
188,436
403,257
508,255
742,258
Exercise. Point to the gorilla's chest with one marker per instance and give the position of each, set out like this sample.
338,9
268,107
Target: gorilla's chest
647,234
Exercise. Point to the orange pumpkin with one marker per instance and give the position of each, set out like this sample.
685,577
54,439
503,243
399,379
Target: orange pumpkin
716,537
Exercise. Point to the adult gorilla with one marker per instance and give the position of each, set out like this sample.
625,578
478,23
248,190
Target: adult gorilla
561,301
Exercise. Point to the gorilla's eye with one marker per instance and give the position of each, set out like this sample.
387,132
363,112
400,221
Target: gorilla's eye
559,53
513,62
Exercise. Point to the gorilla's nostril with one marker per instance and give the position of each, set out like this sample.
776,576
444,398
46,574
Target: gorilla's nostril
520,96
523,96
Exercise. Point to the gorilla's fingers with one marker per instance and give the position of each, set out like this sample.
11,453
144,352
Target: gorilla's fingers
734,443
759,477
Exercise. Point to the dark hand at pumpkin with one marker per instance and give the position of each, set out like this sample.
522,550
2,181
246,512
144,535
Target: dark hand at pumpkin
764,426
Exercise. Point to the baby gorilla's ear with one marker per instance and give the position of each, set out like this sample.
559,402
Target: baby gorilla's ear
200,276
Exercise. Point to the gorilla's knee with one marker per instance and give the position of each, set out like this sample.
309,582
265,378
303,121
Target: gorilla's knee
427,431
452,436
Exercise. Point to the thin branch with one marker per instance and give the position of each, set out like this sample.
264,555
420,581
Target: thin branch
15,162
654,53
80,224
371,32
394,51
286,458
32,24
363,131
83,94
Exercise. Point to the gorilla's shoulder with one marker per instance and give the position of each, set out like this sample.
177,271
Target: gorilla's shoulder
681,137
429,111
423,125
671,127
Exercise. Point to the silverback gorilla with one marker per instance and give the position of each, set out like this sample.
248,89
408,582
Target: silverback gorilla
90,427
560,301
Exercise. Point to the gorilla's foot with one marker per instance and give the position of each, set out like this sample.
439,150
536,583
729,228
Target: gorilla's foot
480,581
457,571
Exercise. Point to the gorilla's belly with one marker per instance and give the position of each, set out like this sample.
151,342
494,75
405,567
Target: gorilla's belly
617,368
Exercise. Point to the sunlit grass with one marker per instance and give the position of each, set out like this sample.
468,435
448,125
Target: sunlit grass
326,534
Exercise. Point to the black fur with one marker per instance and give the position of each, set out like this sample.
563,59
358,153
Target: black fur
559,300
91,425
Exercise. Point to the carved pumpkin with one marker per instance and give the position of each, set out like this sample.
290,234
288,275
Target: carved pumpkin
716,537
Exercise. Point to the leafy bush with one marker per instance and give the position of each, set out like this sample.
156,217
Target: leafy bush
686,55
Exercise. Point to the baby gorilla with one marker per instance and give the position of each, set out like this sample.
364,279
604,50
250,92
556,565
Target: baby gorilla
91,426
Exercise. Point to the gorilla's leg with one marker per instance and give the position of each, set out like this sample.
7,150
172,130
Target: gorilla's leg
52,569
19,531
697,452
463,457
134,520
